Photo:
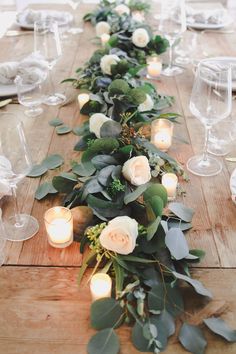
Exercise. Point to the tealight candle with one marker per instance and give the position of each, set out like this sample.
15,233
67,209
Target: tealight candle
82,99
59,226
161,133
154,67
170,182
100,286
105,38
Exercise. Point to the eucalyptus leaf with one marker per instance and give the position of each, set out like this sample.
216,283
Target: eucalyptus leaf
110,129
163,296
119,275
156,190
55,122
180,210
70,176
92,186
136,193
192,339
167,322
152,228
106,313
53,161
218,326
63,129
101,161
62,184
196,284
176,243
37,171
104,175
104,342
44,189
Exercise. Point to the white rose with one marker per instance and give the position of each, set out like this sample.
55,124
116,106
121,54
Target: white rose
122,9
102,27
140,37
107,61
95,123
137,170
120,235
147,105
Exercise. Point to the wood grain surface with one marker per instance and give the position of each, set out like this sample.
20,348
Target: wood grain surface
42,310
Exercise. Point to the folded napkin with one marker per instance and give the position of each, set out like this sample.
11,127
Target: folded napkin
8,72
5,170
33,67
214,16
29,16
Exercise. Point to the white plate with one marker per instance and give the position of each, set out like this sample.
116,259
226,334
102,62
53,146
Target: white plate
227,60
30,26
232,184
202,26
8,90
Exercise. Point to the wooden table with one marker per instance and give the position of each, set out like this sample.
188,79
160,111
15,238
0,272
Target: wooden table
42,310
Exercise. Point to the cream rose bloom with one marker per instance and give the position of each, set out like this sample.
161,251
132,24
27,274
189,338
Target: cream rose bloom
140,37
147,105
107,61
137,170
95,123
122,9
120,235
102,27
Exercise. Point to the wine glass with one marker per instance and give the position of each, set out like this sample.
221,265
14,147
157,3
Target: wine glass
172,25
74,4
15,164
30,94
47,44
211,102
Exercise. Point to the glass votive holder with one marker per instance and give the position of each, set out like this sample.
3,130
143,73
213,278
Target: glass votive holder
83,98
170,182
59,226
162,133
100,286
154,67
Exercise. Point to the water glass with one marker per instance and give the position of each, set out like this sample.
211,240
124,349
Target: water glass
30,94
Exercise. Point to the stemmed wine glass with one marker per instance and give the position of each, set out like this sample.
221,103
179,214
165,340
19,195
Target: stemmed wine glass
172,25
211,102
48,45
74,4
15,164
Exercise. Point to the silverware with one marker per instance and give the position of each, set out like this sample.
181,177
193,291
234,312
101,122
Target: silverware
223,31
230,159
13,33
4,103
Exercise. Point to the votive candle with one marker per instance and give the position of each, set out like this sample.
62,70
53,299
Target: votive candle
154,67
170,182
100,286
161,134
82,99
59,226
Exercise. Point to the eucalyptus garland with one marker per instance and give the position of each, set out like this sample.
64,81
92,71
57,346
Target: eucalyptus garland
134,235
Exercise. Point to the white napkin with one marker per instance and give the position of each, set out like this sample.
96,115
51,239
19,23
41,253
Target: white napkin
29,16
32,67
8,72
5,169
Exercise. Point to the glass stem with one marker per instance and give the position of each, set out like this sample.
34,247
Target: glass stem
16,207
170,57
207,134
51,83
